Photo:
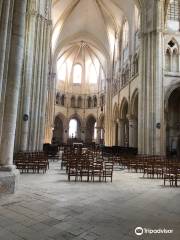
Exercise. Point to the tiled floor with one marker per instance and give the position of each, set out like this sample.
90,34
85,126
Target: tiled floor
47,206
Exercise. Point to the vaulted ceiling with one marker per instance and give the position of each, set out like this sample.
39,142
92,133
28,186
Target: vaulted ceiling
93,21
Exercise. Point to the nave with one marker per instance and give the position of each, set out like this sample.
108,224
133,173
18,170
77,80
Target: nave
48,207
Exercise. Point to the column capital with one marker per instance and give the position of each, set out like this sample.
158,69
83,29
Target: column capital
131,117
121,120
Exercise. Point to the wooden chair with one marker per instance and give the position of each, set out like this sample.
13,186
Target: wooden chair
170,175
108,171
85,170
72,169
97,170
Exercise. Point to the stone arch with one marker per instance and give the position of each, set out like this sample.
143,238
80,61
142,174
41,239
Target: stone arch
91,115
77,117
62,117
133,120
173,120
123,106
58,131
168,93
79,120
124,123
90,125
133,104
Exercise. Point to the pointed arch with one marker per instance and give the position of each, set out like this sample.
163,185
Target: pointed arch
134,102
115,112
124,107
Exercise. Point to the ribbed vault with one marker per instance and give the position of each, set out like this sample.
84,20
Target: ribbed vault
101,19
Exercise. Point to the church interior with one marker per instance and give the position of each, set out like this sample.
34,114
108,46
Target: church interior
89,119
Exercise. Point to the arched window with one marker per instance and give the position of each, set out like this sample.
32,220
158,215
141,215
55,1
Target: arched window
73,128
137,19
95,131
125,40
125,34
173,15
175,60
73,102
137,26
168,60
79,102
77,74
61,71
63,100
94,101
93,75
172,56
89,102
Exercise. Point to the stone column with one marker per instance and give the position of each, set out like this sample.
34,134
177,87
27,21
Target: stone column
109,133
40,84
121,132
133,140
5,44
3,36
45,80
171,62
12,96
37,84
83,129
98,140
66,134
28,75
151,99
50,107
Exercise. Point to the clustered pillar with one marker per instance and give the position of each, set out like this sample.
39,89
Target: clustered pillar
133,132
13,83
30,132
121,132
14,74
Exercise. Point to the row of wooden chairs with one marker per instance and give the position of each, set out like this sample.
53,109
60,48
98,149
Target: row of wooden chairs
90,169
31,162
152,166
87,154
89,164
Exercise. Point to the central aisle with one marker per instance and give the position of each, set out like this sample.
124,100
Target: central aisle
47,206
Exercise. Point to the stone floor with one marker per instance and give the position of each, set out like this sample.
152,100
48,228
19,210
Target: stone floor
47,206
